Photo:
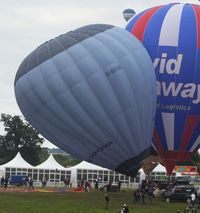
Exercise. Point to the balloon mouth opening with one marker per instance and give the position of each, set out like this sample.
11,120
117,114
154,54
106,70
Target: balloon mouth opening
131,166
171,158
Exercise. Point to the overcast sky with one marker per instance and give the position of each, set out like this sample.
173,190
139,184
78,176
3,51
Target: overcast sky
25,24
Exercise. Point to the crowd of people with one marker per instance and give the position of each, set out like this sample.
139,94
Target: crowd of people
28,182
84,185
145,193
67,183
146,190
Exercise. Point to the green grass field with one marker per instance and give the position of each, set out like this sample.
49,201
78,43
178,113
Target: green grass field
84,202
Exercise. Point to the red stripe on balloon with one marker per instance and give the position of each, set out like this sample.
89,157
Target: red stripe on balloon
191,123
197,13
171,158
140,26
157,141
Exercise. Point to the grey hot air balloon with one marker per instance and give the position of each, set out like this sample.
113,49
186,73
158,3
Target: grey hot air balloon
92,92
128,14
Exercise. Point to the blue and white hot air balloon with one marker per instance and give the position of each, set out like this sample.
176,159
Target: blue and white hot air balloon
92,92
171,35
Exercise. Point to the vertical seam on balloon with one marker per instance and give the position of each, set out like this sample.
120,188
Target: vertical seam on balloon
70,131
175,78
117,59
75,84
109,84
145,29
158,109
94,136
141,122
190,101
32,116
102,105
53,123
84,108
145,79
159,80
121,111
197,15
191,124
97,99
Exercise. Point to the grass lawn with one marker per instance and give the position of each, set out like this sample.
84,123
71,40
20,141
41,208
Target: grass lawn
84,202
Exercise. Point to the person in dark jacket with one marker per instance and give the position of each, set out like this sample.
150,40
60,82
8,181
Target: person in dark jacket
2,181
6,182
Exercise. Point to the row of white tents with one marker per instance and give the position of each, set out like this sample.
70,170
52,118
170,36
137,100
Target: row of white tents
50,170
55,174
19,162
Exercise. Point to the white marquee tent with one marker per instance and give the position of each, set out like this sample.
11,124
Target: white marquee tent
15,166
90,172
50,163
16,162
50,170
159,168
87,165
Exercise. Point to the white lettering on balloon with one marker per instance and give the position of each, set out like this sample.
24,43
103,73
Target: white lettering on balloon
173,66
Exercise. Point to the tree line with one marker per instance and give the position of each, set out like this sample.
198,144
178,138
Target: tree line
20,136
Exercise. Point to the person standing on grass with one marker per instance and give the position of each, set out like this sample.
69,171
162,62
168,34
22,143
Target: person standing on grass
44,182
142,196
107,200
97,185
31,183
193,199
2,181
119,185
150,190
6,182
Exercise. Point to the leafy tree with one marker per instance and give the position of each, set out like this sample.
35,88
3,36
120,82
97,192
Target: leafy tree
19,137
43,155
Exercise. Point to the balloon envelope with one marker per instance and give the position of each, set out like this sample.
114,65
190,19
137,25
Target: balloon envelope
91,92
128,14
171,35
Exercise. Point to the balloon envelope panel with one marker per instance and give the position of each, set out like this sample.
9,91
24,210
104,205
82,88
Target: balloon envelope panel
171,35
91,92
